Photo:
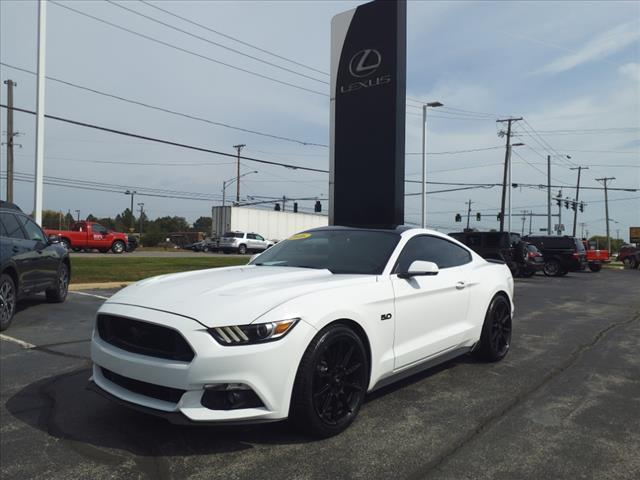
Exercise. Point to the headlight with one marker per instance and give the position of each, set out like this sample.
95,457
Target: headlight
252,333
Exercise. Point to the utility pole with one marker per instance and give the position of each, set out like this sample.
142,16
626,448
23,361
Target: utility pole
132,193
77,215
468,213
606,207
239,148
141,205
560,212
10,84
575,205
530,220
39,166
507,160
548,194
284,199
582,225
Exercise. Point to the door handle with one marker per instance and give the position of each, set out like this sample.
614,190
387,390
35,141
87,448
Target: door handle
460,285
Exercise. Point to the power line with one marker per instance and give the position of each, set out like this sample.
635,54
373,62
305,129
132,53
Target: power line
167,110
173,27
235,39
167,142
190,52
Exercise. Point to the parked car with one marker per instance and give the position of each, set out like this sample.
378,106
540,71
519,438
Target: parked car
562,254
503,246
595,257
241,242
29,262
303,331
630,256
92,235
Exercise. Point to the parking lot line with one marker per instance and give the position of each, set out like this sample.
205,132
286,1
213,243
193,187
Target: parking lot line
90,295
22,343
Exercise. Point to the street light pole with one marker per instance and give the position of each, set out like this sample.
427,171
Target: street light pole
226,183
424,159
132,193
141,205
239,148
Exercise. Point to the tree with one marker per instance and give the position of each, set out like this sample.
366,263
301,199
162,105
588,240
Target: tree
91,218
170,224
52,219
601,242
202,224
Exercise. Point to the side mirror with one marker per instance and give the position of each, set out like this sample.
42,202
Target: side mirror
53,239
420,268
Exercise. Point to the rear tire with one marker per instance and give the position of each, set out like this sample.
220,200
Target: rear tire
58,294
242,249
629,262
118,246
595,267
331,382
552,268
495,339
8,298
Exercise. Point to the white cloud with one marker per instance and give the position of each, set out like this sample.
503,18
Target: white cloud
598,48
631,69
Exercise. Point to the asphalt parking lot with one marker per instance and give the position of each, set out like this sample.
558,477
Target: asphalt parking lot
565,403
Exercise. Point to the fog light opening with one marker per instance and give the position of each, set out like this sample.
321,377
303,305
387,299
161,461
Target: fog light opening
230,396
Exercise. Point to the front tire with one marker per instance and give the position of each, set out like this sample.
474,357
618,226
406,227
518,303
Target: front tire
495,339
8,298
118,246
595,267
242,249
331,383
58,294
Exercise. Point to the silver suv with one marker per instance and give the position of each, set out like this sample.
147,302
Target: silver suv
240,242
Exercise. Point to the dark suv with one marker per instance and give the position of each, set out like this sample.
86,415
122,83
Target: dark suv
521,258
561,254
29,262
630,256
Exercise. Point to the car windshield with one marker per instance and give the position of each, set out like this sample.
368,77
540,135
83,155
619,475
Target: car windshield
339,251
233,235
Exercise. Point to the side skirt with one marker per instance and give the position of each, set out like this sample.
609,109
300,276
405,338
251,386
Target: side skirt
425,365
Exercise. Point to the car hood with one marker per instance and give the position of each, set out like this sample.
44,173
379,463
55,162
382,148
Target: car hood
233,295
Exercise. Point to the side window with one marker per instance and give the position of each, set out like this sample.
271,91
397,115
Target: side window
11,226
258,237
33,231
251,236
443,253
99,229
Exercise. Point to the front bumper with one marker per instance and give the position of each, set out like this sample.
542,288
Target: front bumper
268,369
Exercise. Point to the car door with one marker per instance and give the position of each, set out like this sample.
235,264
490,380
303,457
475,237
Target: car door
431,311
99,237
261,243
252,243
45,261
24,257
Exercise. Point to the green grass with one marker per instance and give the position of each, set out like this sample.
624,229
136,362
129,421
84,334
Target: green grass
90,270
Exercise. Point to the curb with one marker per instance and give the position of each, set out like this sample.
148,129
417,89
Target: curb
97,286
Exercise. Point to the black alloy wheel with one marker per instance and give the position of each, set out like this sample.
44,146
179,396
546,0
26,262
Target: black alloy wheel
331,383
58,294
242,249
552,268
8,299
495,339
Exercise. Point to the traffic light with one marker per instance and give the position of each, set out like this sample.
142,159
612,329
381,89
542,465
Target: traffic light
499,216
458,217
295,207
573,205
478,216
277,207
558,202
582,206
317,207
566,204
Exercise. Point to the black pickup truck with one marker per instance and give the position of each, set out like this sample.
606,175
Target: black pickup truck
561,254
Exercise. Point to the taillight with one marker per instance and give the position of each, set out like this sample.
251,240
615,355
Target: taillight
576,255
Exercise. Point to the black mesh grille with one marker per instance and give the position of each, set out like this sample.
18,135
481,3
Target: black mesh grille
159,392
144,338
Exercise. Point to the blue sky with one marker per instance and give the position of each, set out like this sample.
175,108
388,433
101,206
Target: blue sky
572,69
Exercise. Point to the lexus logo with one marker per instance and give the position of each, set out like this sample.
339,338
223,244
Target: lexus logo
365,63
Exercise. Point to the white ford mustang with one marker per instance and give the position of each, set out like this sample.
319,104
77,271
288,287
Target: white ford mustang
304,331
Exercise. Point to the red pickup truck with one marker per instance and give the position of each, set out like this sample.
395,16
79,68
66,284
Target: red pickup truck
91,235
595,256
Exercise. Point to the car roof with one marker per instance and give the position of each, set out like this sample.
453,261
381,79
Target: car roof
399,229
9,206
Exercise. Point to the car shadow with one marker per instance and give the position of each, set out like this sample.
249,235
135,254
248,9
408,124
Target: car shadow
29,302
63,407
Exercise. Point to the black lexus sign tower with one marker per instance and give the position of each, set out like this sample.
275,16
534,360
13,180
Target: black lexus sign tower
368,78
